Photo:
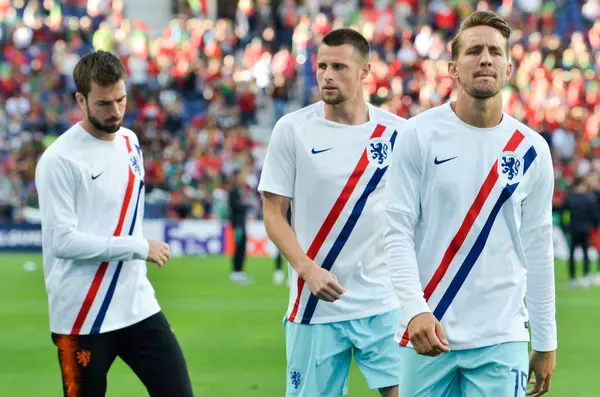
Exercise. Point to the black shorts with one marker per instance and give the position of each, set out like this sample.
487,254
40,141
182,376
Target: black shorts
148,347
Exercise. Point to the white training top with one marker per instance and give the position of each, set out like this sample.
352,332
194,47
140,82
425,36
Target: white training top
335,174
91,195
470,230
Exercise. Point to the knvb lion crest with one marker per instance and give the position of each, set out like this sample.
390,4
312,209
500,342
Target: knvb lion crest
295,379
378,150
510,166
83,357
136,164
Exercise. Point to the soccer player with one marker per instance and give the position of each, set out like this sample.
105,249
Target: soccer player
469,208
329,160
582,216
90,183
278,274
238,208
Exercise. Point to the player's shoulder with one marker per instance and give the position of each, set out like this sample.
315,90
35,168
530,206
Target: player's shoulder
128,133
531,136
297,119
130,136
420,127
435,114
385,117
65,145
62,151
392,122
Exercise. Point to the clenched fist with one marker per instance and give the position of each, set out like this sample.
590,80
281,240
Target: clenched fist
158,253
427,335
322,283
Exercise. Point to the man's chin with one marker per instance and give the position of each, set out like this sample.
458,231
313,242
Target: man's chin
334,100
111,129
483,94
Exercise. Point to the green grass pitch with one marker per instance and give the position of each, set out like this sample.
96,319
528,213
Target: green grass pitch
233,335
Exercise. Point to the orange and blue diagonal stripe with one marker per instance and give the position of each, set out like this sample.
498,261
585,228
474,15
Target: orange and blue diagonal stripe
348,227
98,277
481,240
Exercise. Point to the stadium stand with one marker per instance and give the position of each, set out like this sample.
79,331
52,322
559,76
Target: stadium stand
205,93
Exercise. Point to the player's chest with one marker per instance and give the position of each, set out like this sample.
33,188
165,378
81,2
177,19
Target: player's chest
333,162
462,169
111,178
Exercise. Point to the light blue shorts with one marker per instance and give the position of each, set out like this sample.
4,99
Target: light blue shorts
319,355
496,371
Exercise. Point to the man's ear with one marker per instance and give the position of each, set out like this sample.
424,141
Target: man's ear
81,101
452,71
366,69
509,70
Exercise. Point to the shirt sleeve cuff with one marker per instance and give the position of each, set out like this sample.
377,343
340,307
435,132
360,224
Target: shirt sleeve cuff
544,346
142,249
414,308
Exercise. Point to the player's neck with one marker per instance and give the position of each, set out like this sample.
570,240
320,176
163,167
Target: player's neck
354,112
93,131
479,113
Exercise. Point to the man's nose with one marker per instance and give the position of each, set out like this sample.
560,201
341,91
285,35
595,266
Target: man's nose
486,58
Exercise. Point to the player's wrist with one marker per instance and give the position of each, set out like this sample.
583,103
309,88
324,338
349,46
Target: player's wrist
414,308
549,352
304,267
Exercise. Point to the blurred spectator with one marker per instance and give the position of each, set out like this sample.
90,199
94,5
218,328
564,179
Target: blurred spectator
582,214
238,208
204,94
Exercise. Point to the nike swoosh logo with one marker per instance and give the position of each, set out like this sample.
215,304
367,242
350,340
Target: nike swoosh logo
437,162
96,176
320,151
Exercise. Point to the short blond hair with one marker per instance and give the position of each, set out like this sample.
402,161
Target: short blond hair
481,18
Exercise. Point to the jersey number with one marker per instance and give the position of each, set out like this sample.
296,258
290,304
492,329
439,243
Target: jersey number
522,379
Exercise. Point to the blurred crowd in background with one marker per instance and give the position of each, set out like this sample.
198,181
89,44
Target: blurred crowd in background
204,95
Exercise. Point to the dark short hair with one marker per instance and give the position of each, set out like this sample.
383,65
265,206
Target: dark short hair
481,18
343,36
101,67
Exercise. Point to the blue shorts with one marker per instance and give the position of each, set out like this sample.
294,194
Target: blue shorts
495,371
319,355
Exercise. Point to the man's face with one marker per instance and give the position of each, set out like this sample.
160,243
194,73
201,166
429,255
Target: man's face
105,106
482,67
340,73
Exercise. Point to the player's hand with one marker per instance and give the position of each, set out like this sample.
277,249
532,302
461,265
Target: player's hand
322,283
542,364
158,253
427,335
